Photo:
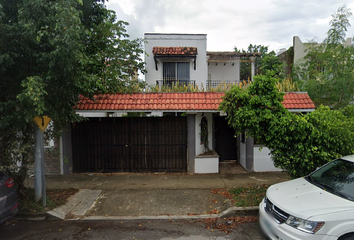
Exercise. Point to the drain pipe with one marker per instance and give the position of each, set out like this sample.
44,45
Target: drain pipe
61,154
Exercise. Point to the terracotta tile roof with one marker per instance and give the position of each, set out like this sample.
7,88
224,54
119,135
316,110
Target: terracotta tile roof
154,101
294,100
176,101
192,51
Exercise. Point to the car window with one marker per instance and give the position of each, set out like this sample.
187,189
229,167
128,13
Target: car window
336,177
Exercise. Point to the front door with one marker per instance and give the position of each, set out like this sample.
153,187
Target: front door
225,142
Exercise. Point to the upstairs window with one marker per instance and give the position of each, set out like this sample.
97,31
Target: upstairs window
176,71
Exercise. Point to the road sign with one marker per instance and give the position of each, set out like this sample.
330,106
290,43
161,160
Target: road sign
42,122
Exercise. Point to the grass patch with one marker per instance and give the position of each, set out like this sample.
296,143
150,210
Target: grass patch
248,196
55,198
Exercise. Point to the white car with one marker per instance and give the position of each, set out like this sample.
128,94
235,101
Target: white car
319,206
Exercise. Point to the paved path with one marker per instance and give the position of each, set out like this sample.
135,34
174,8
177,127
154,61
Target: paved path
142,196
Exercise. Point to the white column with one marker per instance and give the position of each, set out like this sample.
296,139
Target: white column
253,67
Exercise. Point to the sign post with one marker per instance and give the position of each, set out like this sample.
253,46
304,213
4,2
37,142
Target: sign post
39,186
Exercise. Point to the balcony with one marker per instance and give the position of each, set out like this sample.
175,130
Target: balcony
214,84
211,85
174,82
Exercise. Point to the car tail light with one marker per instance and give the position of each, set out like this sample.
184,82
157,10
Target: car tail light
9,183
14,207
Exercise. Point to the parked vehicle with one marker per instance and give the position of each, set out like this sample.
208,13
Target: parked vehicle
319,206
8,198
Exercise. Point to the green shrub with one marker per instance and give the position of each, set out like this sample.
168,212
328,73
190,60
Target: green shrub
298,143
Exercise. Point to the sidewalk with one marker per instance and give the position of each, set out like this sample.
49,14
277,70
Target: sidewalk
151,196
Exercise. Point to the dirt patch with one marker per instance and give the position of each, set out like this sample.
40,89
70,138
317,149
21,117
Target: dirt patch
208,153
55,198
248,196
61,195
226,225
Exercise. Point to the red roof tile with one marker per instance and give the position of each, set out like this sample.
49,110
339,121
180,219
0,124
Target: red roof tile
174,51
176,101
298,101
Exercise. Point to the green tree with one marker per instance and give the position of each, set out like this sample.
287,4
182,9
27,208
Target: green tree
298,143
327,70
50,53
266,61
271,63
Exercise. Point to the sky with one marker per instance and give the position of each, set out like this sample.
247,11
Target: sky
233,23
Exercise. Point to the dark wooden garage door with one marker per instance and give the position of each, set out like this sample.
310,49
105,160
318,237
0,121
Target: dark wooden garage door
130,145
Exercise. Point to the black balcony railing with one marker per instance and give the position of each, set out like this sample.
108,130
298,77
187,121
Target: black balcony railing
212,84
174,82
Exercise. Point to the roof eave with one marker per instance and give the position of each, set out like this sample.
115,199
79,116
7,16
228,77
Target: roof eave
302,110
108,112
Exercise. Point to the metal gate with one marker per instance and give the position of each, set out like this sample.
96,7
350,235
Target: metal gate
225,142
130,145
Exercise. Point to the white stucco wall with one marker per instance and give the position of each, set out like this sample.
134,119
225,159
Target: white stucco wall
300,48
199,41
199,147
207,164
243,154
224,71
262,160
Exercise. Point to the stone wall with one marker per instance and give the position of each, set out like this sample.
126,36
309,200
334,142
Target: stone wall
51,160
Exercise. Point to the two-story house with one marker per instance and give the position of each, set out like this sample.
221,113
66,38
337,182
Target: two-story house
177,128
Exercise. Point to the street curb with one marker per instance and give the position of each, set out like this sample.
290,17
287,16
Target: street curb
239,211
32,216
230,212
162,217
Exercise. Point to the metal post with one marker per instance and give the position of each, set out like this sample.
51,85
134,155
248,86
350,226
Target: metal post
39,187
61,154
44,192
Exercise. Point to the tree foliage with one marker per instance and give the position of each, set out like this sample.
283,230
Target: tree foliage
273,65
298,143
327,70
50,53
265,62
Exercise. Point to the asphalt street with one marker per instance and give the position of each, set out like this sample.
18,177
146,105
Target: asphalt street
132,230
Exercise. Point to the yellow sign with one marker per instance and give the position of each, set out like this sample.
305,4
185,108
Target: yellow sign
42,122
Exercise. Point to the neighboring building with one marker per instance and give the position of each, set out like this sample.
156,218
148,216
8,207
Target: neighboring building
296,53
300,48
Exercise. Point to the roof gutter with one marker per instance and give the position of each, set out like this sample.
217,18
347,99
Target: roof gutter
120,113
302,110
